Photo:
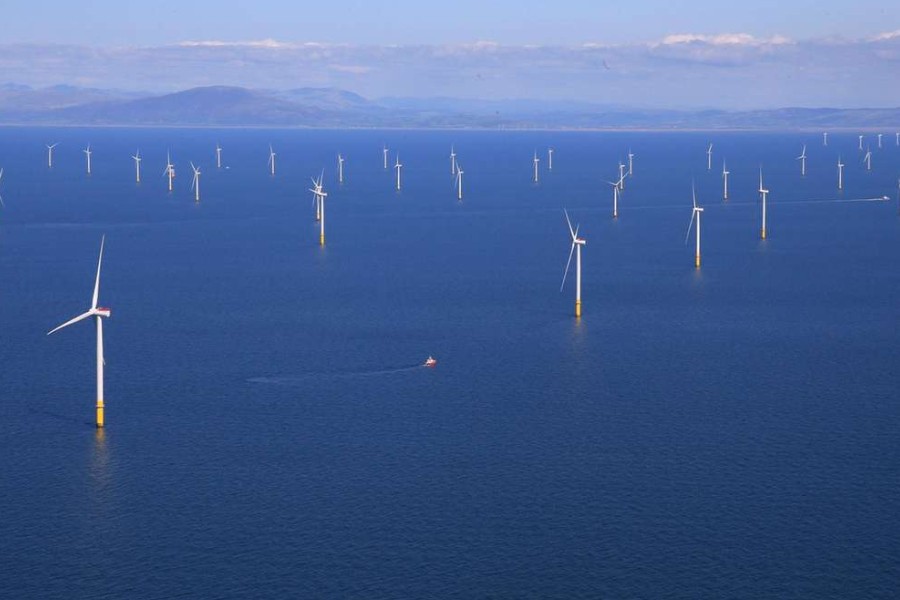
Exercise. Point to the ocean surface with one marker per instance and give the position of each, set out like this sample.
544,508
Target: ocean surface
727,432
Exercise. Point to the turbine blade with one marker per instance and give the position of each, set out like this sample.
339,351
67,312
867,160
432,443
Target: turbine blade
690,226
97,280
569,223
568,262
80,317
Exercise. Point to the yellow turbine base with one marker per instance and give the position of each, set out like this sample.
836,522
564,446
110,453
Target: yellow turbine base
762,234
697,261
321,240
578,308
100,413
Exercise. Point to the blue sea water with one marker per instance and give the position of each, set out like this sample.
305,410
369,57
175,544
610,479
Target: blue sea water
724,432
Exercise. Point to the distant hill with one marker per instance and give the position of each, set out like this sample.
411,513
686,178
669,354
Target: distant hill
331,107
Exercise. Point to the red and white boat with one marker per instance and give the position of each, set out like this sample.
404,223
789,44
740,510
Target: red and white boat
430,362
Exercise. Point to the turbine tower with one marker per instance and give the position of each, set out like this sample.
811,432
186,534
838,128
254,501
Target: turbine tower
764,193
802,159
535,161
868,160
195,183
50,148
320,205
459,179
398,166
87,153
709,157
860,142
615,187
824,138
840,167
100,314
879,141
137,165
340,168
577,242
621,176
452,160
385,151
725,174
695,214
169,172
218,156
550,159
271,161
630,163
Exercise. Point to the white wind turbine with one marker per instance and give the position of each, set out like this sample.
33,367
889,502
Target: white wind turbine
452,160
615,187
320,207
385,151
218,156
709,157
1,197
868,160
840,167
50,148
860,142
169,172
87,152
340,168
725,174
879,141
695,214
549,159
195,183
824,138
621,176
317,183
630,163
802,159
535,161
137,165
897,138
398,166
764,193
459,180
271,161
577,242
100,313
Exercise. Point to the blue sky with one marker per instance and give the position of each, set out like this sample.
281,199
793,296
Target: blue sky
658,54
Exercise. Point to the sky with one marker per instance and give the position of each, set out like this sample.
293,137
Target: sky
657,53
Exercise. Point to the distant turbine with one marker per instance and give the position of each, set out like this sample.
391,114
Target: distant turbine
50,148
577,242
802,159
709,157
218,156
898,193
100,313
320,194
621,176
725,174
452,160
459,179
897,138
385,157
137,165
615,187
1,197
398,166
840,167
87,152
195,183
695,214
860,142
535,161
271,161
764,193
630,163
868,159
340,168
879,141
824,138
170,170
549,159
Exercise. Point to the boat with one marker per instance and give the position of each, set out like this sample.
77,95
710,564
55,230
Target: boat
430,362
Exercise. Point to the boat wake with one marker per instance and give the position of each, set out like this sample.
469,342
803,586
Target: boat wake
289,380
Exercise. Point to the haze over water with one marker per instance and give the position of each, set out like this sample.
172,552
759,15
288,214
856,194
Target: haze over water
727,432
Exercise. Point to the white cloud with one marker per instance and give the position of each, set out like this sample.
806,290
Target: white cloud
266,43
724,39
889,35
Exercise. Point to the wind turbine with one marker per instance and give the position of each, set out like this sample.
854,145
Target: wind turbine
87,152
824,138
340,168
459,174
860,142
725,174
764,193
271,162
550,159
802,159
709,157
868,159
840,167
879,141
218,156
630,163
50,148
320,208
897,138
195,183
621,176
577,242
100,313
1,197
536,160
615,187
398,166
385,150
898,193
137,165
452,160
170,170
695,213
317,183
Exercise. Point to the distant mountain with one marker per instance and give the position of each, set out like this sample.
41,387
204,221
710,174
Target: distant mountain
331,107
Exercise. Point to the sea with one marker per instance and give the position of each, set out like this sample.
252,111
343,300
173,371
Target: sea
731,431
